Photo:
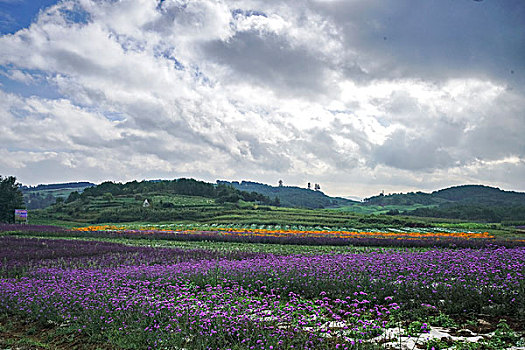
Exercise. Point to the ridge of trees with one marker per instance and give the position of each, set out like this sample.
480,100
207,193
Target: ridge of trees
222,193
465,194
291,196
466,202
59,186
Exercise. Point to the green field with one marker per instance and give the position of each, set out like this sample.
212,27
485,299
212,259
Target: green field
200,210
189,201
380,209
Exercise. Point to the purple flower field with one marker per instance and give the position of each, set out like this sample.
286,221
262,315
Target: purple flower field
140,297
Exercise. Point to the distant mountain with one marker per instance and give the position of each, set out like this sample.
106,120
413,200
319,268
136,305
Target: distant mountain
42,196
466,194
291,196
59,186
467,202
478,194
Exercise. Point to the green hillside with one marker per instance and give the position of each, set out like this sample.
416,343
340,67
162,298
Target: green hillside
42,196
188,200
467,202
192,201
466,194
478,194
188,209
291,196
165,200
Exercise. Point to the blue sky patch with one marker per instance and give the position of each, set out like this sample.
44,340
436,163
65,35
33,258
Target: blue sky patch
77,15
18,14
39,86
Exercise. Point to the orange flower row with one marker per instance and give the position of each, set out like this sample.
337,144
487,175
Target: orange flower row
363,233
310,233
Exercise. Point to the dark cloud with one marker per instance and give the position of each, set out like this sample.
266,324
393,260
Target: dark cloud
434,39
272,61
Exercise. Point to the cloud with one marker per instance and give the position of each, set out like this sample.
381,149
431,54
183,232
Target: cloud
270,61
358,96
431,40
20,76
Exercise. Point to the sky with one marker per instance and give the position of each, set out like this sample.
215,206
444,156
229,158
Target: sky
359,96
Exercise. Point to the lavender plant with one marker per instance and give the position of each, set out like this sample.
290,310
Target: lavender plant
139,297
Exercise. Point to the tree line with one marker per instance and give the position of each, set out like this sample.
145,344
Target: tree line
222,193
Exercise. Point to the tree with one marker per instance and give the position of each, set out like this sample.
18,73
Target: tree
10,198
108,197
280,183
73,196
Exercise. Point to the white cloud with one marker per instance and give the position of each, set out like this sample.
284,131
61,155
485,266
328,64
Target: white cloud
304,91
20,76
18,159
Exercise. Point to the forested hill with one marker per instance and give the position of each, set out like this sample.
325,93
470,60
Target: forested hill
42,196
477,194
467,202
60,186
464,195
291,196
189,187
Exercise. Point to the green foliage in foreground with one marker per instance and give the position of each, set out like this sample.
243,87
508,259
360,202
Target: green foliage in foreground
10,198
503,338
277,249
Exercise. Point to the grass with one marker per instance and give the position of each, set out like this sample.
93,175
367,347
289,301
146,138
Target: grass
367,209
277,249
252,214
183,201
56,222
21,333
196,209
